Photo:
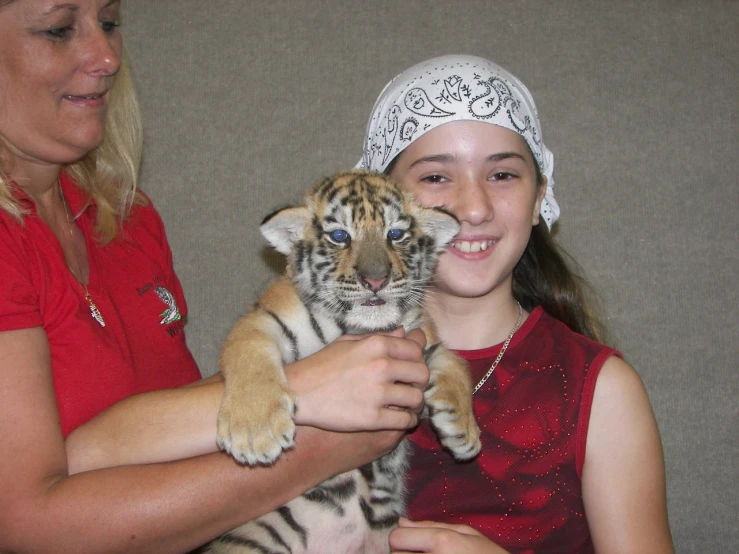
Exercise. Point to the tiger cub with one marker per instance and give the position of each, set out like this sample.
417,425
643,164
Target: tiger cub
360,252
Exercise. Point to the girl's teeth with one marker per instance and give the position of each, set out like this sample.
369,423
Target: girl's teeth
475,246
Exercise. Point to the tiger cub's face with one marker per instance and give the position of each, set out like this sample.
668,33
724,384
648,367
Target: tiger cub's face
360,248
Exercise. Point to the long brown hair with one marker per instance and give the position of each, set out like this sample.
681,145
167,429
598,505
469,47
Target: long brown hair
547,276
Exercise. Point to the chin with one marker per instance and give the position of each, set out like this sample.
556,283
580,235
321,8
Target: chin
72,149
473,288
85,136
88,142
368,319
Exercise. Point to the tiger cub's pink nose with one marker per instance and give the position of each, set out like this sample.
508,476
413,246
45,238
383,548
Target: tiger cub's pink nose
373,284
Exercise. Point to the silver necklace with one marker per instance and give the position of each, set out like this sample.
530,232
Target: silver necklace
502,350
94,311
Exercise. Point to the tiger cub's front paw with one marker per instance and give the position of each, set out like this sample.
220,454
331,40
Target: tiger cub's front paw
450,411
255,430
457,432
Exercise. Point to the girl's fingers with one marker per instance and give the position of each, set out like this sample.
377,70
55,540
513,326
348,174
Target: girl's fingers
464,529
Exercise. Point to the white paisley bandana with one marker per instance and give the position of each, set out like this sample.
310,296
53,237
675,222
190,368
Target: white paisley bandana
454,88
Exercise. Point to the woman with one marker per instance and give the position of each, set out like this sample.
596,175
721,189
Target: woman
571,459
91,321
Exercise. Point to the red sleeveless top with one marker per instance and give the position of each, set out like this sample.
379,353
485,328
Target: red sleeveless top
523,491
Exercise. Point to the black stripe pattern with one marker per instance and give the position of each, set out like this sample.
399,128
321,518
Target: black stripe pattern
325,271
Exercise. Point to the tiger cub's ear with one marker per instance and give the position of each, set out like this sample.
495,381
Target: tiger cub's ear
438,223
285,227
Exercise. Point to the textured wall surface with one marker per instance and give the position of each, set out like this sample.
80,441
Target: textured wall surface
247,103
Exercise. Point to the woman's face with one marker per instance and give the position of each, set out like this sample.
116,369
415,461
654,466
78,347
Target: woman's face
485,175
58,61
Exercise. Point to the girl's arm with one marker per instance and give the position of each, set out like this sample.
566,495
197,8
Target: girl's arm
624,474
623,480
164,507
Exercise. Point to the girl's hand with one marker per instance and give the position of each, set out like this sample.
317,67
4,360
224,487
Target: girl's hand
439,538
362,383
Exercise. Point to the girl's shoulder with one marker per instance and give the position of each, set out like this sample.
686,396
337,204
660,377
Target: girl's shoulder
553,331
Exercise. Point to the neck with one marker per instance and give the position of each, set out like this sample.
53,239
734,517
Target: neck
472,323
40,182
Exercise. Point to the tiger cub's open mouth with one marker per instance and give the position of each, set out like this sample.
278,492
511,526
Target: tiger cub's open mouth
374,301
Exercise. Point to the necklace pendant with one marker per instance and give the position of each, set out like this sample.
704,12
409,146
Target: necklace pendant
94,311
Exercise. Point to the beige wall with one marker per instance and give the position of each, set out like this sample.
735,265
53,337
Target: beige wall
247,103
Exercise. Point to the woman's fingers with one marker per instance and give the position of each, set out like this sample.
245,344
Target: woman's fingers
399,332
406,396
396,419
400,349
418,336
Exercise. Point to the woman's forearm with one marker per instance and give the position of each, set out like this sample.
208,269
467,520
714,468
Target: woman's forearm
172,507
350,385
152,427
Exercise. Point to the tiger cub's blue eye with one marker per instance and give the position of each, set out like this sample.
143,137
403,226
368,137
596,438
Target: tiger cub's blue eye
395,234
339,235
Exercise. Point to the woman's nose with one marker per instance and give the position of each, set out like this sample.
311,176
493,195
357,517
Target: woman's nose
102,54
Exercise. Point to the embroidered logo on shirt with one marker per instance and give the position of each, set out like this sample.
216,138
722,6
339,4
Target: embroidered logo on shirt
172,313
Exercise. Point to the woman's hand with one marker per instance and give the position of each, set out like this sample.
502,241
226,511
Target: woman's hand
362,383
439,538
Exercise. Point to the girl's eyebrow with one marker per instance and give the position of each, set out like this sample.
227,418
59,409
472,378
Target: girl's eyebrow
504,156
440,158
448,158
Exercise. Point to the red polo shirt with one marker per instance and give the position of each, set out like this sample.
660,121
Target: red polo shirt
132,282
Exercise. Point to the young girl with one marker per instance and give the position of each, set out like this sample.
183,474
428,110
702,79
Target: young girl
571,459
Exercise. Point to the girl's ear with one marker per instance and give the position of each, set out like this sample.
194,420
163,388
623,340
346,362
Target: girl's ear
285,227
536,216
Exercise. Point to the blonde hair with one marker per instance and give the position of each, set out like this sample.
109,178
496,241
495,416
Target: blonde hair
109,173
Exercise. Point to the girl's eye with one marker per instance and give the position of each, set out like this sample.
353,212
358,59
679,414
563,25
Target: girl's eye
59,32
339,235
395,234
501,176
434,178
109,26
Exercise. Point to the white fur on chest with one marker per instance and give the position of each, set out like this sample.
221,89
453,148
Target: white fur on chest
346,534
